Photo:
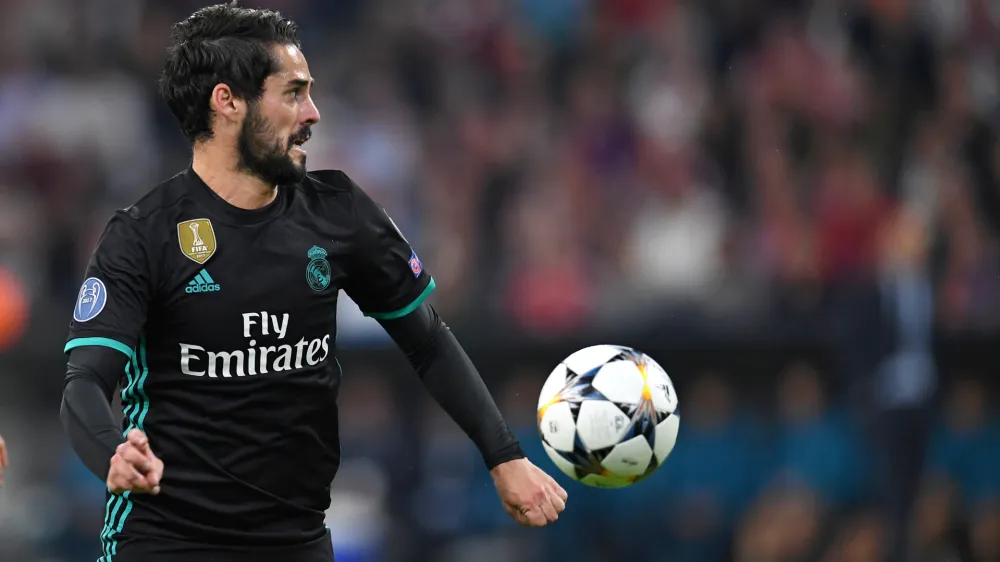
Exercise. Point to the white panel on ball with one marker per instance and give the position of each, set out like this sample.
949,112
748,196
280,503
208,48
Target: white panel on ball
661,388
666,437
620,381
630,458
564,465
553,384
557,426
600,424
590,358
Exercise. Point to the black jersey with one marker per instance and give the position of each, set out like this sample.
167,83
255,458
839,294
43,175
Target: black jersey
228,318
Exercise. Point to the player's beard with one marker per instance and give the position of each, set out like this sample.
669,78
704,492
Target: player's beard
263,154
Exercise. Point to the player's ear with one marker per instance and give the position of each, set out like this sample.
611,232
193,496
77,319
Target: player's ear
225,104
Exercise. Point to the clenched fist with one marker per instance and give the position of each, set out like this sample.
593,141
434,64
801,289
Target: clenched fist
528,494
134,467
3,458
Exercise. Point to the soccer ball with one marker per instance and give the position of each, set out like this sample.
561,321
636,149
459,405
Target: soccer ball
608,416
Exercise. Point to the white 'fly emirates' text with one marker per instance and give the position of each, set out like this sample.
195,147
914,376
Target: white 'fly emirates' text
198,362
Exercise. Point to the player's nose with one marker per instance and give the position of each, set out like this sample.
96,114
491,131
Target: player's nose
309,114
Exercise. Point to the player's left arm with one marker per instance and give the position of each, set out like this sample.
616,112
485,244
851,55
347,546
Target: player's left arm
389,283
529,495
453,381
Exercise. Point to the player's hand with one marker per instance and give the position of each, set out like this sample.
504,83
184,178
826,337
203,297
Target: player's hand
134,467
3,458
529,495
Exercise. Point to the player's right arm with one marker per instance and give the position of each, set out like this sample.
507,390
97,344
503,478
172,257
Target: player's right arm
108,317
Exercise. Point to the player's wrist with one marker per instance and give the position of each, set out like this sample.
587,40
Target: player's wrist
511,452
497,443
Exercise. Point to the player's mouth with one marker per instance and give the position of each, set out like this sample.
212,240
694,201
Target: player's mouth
297,143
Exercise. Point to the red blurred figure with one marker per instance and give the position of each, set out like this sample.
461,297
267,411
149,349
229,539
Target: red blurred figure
3,458
852,211
13,310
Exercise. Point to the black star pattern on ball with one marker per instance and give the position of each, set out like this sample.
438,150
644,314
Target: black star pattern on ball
643,416
586,462
578,388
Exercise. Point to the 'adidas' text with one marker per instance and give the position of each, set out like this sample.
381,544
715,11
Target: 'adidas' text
202,283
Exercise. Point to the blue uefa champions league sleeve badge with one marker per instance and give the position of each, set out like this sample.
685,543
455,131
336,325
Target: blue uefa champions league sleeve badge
91,300
415,266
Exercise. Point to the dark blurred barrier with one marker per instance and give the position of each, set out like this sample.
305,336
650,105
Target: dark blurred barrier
750,357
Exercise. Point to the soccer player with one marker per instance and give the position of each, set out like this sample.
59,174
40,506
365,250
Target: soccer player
212,303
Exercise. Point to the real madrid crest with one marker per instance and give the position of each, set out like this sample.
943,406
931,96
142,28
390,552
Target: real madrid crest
318,269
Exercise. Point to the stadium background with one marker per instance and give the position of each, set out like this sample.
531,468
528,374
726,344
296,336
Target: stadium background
723,184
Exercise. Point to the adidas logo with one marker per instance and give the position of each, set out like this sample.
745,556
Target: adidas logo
202,283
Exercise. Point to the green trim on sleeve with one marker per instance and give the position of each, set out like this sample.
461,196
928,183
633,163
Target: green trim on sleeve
408,308
106,342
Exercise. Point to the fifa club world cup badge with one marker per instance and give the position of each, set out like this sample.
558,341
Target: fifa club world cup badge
318,269
197,239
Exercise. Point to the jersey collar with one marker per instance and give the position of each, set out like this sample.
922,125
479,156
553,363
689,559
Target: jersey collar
232,214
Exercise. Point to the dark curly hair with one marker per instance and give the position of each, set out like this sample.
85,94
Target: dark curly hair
223,44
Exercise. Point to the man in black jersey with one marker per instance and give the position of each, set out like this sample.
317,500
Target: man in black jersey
211,303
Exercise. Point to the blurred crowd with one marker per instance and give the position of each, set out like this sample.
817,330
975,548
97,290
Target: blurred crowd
563,164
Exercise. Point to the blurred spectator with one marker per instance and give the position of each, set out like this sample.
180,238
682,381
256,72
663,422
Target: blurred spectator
969,296
985,532
711,476
964,450
675,246
851,212
860,539
82,511
817,447
782,526
934,528
13,310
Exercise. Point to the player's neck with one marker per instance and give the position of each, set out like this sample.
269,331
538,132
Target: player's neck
220,173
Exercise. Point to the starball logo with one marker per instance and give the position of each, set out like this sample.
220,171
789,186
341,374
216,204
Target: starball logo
256,359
